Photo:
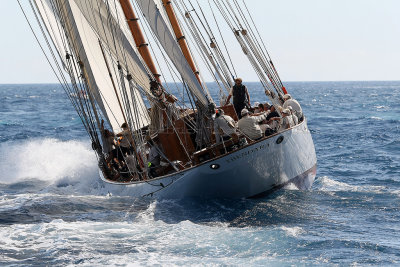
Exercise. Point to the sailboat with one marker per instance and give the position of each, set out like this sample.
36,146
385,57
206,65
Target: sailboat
117,53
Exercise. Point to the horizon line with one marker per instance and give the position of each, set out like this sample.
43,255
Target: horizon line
243,82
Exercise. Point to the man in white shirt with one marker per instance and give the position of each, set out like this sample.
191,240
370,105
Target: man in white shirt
224,123
249,125
289,101
286,121
294,116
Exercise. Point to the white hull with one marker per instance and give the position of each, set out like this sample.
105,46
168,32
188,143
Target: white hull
251,171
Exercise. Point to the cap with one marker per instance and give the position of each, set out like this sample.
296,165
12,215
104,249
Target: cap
244,111
287,96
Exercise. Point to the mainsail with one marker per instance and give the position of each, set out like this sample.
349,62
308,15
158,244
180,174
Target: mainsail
163,33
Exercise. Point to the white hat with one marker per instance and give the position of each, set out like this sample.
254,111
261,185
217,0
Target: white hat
287,96
256,104
244,111
286,111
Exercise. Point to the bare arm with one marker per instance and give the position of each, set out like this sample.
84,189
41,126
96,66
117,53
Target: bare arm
273,119
259,118
102,126
248,96
227,100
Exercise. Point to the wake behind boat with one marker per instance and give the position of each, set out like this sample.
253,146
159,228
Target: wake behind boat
153,140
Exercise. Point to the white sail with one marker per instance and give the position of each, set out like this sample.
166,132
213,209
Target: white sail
164,14
162,30
86,44
52,23
112,29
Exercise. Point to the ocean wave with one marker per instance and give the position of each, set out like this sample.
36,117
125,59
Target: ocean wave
376,118
46,159
292,231
329,185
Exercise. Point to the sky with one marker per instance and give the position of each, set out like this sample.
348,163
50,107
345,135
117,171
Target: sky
308,40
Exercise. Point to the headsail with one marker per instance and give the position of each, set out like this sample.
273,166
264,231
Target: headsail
114,33
52,23
85,40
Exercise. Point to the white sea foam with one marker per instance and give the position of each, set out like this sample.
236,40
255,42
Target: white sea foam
330,185
291,186
150,243
381,107
46,159
376,118
292,231
396,192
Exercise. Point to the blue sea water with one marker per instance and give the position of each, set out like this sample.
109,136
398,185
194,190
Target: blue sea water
54,210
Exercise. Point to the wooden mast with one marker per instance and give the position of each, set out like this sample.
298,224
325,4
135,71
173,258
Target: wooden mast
133,22
180,37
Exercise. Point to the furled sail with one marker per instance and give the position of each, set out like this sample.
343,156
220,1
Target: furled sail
84,38
162,30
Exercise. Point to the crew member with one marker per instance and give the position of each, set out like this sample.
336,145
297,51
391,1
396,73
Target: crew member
289,101
125,140
241,97
249,125
225,123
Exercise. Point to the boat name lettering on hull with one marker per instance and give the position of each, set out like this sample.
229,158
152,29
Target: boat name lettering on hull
246,153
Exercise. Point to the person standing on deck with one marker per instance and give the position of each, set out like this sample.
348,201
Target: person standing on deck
241,97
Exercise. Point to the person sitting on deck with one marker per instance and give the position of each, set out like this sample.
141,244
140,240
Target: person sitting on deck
224,123
290,102
266,106
286,121
270,130
257,108
261,107
294,116
109,146
107,139
249,125
154,157
241,97
273,118
125,137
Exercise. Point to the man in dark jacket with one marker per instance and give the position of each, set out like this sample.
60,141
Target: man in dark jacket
241,97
